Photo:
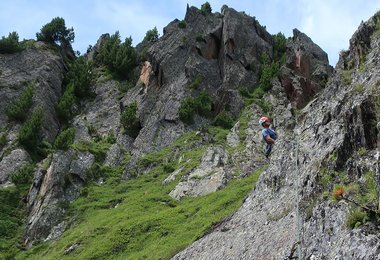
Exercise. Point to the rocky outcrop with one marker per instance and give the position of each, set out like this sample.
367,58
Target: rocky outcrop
11,163
211,175
44,67
329,135
360,45
52,189
222,49
307,69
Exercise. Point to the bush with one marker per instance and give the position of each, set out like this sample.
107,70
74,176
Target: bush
3,140
10,44
29,135
196,82
279,47
186,110
79,75
56,32
206,8
223,120
182,24
120,58
151,35
356,218
201,105
24,175
20,107
130,121
65,139
269,70
65,103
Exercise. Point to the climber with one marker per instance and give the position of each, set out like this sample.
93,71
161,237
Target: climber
269,135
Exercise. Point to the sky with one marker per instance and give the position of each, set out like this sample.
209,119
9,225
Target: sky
329,23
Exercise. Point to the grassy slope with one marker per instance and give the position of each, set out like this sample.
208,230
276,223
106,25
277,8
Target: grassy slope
137,218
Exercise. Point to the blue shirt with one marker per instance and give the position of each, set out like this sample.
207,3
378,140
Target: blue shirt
268,131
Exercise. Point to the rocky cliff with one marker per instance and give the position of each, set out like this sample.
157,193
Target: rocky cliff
335,135
327,121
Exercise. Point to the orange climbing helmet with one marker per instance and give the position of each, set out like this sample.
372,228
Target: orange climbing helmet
263,120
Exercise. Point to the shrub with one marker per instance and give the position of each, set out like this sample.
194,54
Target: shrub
65,103
186,110
111,138
182,24
206,8
29,135
10,44
279,47
347,76
201,105
120,58
3,140
56,32
19,108
65,139
24,175
356,218
223,120
151,35
268,71
130,121
199,38
79,75
196,82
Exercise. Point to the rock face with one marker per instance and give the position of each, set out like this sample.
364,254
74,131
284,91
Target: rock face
307,69
46,69
210,176
328,135
52,189
12,162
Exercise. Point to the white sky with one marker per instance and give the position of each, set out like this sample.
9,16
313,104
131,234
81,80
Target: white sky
329,23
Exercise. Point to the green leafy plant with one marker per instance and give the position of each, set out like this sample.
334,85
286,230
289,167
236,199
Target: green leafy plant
279,47
182,24
223,120
186,110
10,44
65,103
201,105
347,76
56,32
3,140
151,35
268,71
24,175
79,75
19,108
356,218
206,8
120,58
65,139
130,121
196,82
29,135
12,215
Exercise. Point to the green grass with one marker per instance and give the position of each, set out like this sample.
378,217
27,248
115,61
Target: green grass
11,219
136,219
